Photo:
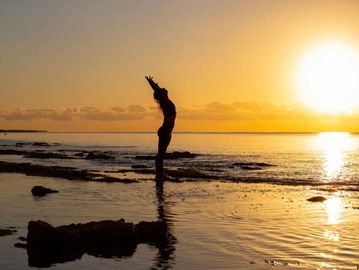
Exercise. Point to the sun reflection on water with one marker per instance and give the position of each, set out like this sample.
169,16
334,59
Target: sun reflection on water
334,208
334,146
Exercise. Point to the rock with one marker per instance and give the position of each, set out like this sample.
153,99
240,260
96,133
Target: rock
40,144
151,232
316,199
93,155
47,244
12,152
4,232
81,154
173,155
20,245
68,173
251,166
259,164
40,191
21,144
21,238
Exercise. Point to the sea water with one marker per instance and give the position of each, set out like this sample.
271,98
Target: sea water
243,218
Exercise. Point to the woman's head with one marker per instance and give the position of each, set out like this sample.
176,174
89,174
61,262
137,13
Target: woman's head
160,95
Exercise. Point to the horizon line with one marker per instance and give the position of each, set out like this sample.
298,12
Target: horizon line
183,132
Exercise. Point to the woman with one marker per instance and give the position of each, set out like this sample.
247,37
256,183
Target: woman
165,131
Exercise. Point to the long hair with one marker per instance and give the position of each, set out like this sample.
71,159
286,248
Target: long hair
159,99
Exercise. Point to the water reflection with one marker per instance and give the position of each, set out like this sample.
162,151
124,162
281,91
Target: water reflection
165,257
334,145
334,208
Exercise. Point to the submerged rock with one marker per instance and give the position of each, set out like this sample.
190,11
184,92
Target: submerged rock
251,166
7,231
40,144
173,155
12,152
316,199
40,191
47,244
93,155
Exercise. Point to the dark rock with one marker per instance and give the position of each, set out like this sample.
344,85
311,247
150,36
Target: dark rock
151,232
4,232
316,199
20,245
173,155
251,166
21,144
12,152
47,244
40,191
40,144
93,155
258,164
68,173
21,238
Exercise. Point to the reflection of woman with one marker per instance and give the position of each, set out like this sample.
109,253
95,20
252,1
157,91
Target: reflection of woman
165,131
165,258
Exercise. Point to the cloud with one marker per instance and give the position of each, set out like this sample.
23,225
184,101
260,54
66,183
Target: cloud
214,111
133,112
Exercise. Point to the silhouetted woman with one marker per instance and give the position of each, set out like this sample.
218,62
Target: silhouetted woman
165,131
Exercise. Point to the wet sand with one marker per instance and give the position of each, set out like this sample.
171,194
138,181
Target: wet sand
215,225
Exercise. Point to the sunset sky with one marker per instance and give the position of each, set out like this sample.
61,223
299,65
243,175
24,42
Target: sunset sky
79,65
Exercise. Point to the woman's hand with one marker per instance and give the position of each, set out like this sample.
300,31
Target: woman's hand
154,85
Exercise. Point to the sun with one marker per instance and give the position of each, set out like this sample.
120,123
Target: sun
327,78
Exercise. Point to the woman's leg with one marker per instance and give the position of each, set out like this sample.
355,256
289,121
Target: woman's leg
163,142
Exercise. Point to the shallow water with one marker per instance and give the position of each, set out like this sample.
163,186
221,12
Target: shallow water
215,224
296,158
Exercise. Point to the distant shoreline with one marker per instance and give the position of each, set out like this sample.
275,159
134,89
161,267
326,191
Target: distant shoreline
20,130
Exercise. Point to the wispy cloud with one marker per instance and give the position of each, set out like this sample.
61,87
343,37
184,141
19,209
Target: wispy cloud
214,111
133,112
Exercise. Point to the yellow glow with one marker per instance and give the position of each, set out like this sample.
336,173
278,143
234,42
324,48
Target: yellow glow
334,146
334,208
332,236
328,78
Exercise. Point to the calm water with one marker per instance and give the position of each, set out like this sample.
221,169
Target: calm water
215,224
309,159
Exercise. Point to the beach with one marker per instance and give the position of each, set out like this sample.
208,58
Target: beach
214,223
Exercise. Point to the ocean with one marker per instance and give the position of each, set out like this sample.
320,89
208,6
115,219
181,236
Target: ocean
239,203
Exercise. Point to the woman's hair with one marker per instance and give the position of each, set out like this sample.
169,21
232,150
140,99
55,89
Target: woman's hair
160,95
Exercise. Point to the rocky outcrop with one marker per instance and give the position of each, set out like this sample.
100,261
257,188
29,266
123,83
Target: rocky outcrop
47,244
7,231
40,191
316,199
68,173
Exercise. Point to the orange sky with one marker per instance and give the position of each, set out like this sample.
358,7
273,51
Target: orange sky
229,65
